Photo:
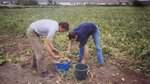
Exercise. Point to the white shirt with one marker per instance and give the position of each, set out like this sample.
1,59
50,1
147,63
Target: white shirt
45,27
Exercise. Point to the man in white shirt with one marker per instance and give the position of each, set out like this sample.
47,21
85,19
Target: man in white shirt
48,28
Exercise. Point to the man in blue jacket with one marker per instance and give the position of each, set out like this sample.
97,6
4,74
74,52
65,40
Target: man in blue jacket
81,33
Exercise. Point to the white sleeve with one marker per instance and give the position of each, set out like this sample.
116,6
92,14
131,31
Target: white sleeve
52,30
51,34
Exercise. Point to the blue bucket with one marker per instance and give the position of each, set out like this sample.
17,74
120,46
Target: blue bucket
62,66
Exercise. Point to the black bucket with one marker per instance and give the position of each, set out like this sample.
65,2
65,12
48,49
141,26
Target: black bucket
81,71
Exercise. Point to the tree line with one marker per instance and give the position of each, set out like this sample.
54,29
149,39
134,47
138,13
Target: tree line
30,2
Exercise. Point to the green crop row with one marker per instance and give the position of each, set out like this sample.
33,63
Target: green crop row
125,28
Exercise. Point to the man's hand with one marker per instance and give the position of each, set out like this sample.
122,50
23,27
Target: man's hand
55,52
57,56
83,61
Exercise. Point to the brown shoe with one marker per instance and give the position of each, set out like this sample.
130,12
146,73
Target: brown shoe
100,65
47,74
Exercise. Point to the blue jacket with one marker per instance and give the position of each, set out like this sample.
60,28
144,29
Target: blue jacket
84,30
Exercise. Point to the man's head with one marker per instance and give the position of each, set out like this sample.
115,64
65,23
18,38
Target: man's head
63,26
72,36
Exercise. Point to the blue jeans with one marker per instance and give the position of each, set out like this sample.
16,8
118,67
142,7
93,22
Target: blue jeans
96,39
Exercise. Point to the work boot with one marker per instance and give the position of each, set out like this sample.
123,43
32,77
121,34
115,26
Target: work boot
47,74
101,66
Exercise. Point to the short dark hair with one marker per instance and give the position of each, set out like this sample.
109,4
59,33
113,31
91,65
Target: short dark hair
64,25
72,35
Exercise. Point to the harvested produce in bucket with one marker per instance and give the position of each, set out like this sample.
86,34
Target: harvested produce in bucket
64,59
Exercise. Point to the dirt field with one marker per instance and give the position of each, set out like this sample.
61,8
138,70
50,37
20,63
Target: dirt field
17,70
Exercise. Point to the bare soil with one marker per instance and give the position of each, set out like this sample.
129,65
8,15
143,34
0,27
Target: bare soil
17,70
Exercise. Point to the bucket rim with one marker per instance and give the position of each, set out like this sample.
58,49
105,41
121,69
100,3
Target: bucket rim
69,62
81,63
